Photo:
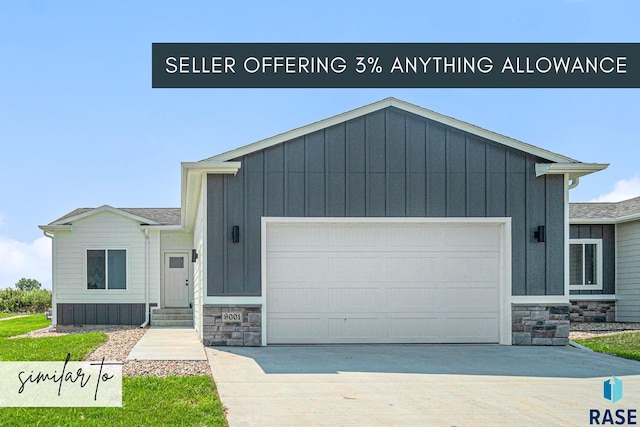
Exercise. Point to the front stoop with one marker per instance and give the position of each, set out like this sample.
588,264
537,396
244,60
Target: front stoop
172,317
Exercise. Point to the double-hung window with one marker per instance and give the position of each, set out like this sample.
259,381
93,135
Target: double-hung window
585,262
107,269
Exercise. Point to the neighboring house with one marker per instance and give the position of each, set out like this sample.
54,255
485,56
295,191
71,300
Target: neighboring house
605,261
386,224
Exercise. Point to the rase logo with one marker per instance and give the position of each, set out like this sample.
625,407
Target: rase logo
613,393
613,389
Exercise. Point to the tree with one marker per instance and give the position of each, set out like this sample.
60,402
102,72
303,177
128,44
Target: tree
28,284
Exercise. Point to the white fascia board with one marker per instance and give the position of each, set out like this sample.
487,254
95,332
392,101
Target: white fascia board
106,208
192,175
573,170
618,220
592,220
539,299
628,218
402,105
55,228
593,297
162,227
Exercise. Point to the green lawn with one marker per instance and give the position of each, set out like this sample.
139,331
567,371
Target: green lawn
22,325
3,315
625,345
147,401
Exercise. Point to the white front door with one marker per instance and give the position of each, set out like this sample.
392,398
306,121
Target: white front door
176,280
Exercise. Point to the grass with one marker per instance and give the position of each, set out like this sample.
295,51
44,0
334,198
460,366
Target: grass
625,345
22,325
3,315
147,401
50,348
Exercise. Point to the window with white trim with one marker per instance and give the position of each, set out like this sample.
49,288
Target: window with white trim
585,264
107,269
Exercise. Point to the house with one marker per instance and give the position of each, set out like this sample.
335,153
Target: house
604,258
386,224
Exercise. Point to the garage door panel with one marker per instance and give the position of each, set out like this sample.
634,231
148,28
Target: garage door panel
470,297
341,237
296,299
295,267
299,236
413,298
471,328
410,267
464,267
422,328
296,329
357,329
355,299
354,268
383,282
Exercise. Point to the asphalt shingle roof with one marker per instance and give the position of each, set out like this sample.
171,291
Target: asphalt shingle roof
163,216
605,210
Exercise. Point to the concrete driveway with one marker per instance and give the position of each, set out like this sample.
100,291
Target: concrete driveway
442,385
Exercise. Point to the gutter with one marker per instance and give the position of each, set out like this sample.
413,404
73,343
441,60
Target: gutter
146,278
54,307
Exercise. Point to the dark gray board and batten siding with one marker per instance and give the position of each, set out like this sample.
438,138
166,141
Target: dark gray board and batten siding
606,232
100,314
389,163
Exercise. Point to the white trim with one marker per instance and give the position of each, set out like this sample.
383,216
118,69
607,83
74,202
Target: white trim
190,189
598,286
103,208
574,170
402,105
592,297
539,299
106,289
55,228
567,234
187,257
504,292
593,221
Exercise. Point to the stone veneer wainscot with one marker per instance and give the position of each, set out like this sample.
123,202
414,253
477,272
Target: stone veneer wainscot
540,324
247,333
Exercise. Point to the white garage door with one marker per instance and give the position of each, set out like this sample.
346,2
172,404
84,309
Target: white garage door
383,282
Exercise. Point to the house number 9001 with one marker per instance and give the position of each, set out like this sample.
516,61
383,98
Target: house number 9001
232,316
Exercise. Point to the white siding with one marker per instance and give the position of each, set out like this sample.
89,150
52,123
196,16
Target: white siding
198,268
628,272
104,230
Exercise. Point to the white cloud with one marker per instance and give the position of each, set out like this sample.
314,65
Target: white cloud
622,190
21,259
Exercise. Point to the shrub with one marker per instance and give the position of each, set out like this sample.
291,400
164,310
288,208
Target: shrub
17,301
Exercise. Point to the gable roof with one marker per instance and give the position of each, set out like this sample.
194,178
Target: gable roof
603,211
152,216
402,105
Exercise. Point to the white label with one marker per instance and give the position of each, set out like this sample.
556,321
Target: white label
232,317
57,384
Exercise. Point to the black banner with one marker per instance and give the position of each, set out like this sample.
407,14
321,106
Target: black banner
396,65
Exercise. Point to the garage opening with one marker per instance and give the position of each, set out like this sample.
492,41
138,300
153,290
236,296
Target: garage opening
384,280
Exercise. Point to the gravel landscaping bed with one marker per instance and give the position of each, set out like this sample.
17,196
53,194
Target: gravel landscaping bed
582,330
117,348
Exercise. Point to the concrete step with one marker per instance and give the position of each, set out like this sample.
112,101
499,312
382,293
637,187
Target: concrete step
171,322
172,317
172,311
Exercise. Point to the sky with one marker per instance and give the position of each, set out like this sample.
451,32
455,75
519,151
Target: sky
81,126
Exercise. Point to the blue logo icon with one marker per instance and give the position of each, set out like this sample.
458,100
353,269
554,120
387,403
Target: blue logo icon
613,389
